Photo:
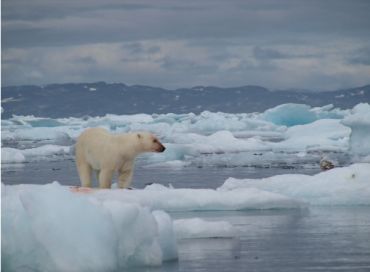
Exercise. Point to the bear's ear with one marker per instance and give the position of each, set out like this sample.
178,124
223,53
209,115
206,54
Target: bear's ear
139,135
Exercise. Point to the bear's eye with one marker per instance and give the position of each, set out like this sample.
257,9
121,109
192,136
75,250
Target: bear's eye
155,141
139,136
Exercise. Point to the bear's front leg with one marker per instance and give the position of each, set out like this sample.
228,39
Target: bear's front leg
124,178
105,178
84,171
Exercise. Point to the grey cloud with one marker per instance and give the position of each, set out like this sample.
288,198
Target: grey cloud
62,22
139,48
266,54
184,65
154,49
360,56
86,60
262,53
239,42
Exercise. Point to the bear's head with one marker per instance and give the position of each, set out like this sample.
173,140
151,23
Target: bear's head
149,143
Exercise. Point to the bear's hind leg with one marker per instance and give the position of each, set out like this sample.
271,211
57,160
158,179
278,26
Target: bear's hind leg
97,172
84,171
124,179
105,179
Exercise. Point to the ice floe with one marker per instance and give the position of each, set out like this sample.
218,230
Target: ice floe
359,122
159,197
12,155
48,228
324,134
339,186
44,152
199,228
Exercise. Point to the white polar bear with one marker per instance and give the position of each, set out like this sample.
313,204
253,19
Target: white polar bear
97,149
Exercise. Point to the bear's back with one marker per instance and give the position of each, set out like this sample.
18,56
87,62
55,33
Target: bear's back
93,137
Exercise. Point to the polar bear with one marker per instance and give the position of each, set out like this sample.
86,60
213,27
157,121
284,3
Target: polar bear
97,149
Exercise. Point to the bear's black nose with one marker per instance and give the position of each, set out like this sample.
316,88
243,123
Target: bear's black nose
162,149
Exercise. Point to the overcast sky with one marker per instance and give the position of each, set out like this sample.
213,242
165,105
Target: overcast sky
308,44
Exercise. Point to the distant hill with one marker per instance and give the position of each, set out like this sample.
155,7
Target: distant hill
97,99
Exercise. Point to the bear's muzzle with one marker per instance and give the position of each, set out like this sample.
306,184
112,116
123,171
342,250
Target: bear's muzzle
161,148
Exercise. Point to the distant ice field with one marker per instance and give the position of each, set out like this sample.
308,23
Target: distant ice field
287,136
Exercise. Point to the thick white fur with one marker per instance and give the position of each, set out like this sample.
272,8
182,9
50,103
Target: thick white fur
106,153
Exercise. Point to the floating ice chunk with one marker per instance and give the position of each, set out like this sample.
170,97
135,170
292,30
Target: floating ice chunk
47,150
157,187
48,228
174,152
359,122
175,164
11,155
159,197
36,121
221,141
366,159
329,112
190,145
211,122
199,228
64,226
19,247
167,235
36,133
258,159
264,135
299,114
324,134
290,115
157,128
114,120
339,186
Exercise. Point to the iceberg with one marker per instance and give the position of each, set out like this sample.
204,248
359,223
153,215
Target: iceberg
339,186
300,114
48,228
290,115
359,122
